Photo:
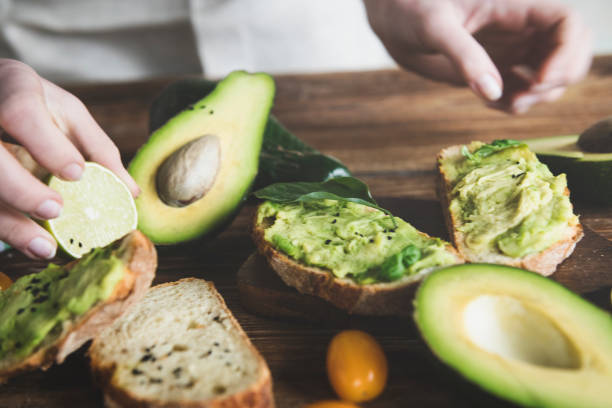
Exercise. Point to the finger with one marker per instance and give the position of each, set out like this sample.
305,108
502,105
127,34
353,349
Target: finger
88,135
25,235
24,115
524,102
22,191
571,47
466,54
436,67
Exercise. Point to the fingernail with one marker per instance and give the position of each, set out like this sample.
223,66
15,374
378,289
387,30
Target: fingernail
522,104
488,87
72,172
48,209
42,248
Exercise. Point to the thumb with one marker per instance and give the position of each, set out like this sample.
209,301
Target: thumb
469,58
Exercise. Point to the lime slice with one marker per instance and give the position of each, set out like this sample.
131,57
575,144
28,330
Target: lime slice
98,209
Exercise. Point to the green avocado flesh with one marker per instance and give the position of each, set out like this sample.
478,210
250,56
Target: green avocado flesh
34,308
518,335
351,240
236,112
507,201
589,175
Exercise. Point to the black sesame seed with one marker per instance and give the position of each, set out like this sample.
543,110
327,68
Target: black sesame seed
389,237
337,214
216,344
136,371
371,240
80,245
41,299
72,240
327,241
216,318
148,357
20,311
208,353
35,280
334,221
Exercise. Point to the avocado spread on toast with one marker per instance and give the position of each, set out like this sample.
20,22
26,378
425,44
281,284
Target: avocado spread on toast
506,199
33,310
351,240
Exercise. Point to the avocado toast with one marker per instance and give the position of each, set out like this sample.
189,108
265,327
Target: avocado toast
356,257
503,206
46,316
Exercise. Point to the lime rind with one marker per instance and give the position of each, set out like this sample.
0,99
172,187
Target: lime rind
98,209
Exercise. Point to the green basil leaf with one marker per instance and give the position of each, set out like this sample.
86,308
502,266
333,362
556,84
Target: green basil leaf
340,188
488,149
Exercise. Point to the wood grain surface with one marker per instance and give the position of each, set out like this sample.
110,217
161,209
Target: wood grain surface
386,126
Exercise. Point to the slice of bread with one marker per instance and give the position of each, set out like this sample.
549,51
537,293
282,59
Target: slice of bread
139,258
544,262
385,298
180,347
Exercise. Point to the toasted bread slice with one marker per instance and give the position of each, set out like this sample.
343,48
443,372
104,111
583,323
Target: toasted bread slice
384,298
180,347
139,258
543,262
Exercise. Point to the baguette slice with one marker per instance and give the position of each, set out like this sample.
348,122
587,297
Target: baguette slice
180,347
544,262
377,299
139,258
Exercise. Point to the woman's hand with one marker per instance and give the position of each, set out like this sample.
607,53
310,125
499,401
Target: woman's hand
58,131
512,53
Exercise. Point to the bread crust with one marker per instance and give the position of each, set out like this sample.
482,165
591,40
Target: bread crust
140,259
258,395
379,299
544,262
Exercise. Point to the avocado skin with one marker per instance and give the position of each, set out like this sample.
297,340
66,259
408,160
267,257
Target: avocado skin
283,156
588,180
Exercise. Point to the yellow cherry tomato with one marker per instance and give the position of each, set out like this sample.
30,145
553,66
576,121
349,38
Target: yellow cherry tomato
5,281
356,366
331,404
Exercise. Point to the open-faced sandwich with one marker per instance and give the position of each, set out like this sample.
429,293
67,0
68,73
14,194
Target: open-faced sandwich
359,258
47,315
503,206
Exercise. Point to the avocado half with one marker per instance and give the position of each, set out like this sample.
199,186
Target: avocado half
518,335
586,159
235,112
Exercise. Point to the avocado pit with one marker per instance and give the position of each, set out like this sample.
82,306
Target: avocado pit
597,138
190,172
511,329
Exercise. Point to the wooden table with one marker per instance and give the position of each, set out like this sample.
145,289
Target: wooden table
386,127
